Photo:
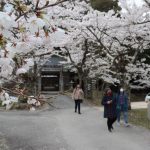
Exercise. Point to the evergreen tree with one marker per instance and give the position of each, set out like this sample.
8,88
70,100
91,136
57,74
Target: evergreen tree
105,5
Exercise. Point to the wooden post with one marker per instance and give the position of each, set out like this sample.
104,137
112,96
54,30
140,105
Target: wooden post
88,88
93,88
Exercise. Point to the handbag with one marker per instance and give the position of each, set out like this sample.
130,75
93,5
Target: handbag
81,100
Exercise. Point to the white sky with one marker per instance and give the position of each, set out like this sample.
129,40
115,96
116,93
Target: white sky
137,2
130,4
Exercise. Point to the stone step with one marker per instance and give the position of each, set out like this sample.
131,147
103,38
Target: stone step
50,92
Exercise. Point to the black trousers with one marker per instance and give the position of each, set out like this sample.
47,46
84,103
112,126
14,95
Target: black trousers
77,105
110,122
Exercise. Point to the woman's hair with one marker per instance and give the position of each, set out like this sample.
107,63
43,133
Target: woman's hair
78,85
106,90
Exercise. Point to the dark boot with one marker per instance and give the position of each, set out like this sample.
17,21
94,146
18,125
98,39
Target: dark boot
109,124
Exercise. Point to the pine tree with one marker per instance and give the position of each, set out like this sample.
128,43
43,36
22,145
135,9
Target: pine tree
105,5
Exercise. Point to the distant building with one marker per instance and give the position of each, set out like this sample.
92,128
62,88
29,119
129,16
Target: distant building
54,76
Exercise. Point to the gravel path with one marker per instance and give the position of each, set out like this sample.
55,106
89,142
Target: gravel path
62,129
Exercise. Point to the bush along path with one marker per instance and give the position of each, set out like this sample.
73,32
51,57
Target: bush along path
22,100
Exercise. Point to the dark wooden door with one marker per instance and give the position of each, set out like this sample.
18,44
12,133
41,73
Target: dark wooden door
50,83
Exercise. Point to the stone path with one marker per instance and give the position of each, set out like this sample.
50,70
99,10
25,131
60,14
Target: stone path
62,129
138,105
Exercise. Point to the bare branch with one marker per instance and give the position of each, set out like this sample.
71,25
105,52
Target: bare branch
67,50
102,46
37,3
23,14
38,8
51,5
148,3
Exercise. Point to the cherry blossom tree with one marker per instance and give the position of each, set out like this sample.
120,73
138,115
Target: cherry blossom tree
115,40
122,40
78,48
25,29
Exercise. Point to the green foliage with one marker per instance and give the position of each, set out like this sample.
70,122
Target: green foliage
0,103
146,55
139,117
20,106
2,3
105,5
23,99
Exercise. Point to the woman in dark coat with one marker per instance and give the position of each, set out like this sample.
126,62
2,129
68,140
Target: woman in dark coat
109,103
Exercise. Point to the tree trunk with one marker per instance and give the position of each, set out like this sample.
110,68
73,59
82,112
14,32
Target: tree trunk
102,89
80,76
80,80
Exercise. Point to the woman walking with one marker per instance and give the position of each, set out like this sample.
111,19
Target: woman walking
122,106
78,95
109,103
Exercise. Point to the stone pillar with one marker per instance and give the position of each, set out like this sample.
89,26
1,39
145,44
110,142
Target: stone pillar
88,88
93,87
148,110
61,81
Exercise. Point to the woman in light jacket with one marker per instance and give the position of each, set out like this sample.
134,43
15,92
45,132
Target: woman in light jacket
78,96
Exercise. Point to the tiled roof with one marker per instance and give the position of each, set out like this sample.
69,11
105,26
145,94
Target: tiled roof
54,60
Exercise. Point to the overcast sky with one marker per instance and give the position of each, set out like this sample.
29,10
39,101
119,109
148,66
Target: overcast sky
131,3
137,2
